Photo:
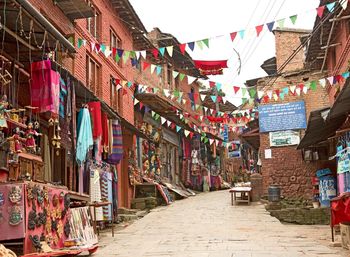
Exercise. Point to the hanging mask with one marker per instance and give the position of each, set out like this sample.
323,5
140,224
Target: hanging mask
55,200
15,194
46,193
32,220
36,242
40,196
30,195
2,199
67,229
16,216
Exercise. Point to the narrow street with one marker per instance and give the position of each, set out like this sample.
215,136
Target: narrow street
207,225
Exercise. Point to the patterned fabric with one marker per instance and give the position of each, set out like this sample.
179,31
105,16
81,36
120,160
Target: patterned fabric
107,193
95,192
63,94
117,146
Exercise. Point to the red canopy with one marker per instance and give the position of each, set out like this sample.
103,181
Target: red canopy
211,67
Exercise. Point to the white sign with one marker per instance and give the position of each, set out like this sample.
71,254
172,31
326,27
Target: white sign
284,138
268,154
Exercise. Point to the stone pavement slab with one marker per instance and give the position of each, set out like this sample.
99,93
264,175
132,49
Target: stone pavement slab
207,225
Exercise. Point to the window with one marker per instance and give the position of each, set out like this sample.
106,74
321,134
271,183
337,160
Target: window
93,25
93,75
115,42
115,95
170,77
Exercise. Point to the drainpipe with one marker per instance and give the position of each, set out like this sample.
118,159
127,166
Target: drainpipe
46,24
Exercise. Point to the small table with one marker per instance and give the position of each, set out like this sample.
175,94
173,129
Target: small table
97,205
244,194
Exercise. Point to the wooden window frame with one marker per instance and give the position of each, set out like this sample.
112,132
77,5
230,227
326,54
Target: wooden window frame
95,85
95,31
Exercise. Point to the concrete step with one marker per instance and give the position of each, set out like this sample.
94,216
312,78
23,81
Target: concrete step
142,214
127,217
123,210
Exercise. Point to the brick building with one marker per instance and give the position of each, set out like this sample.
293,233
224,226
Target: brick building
287,167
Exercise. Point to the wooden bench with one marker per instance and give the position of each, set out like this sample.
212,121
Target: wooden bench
244,194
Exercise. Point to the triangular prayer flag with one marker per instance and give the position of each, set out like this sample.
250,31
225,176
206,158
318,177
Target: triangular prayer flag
213,97
182,76
293,18
292,89
103,48
331,80
200,44
211,141
343,4
298,91
281,22
162,120
126,56
270,25
233,35
159,70
143,54
260,94
145,65
244,91
92,46
320,11
170,50
138,55
175,74
153,67
236,89
191,45
182,48
259,29
136,101
206,42
120,52
162,51
191,79
313,85
97,47
330,6
168,122
322,82
282,96
241,33
155,52
202,97
218,86
108,52
275,97
186,132
252,93
269,94
305,90
345,75
80,42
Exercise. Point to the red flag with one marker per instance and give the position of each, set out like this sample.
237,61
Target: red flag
98,47
219,99
191,134
233,36
114,51
182,48
236,89
173,125
277,92
141,105
117,81
155,52
266,98
212,84
259,29
338,78
301,86
146,65
320,11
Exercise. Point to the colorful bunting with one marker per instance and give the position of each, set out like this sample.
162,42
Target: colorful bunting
330,6
270,25
233,36
281,22
162,51
293,18
259,29
241,33
206,42
320,11
170,50
191,46
183,48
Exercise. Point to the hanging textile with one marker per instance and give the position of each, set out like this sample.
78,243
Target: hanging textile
117,146
44,87
105,135
84,140
107,193
211,67
63,94
95,192
95,112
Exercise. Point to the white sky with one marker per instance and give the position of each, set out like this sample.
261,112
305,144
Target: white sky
191,20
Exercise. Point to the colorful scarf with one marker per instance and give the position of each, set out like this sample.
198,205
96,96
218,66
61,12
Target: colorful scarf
117,146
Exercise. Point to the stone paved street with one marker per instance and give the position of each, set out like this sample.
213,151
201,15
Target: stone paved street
207,225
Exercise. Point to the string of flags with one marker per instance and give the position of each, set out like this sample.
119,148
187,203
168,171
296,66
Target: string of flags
117,53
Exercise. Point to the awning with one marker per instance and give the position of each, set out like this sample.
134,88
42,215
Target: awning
318,129
163,107
76,9
44,31
324,123
211,67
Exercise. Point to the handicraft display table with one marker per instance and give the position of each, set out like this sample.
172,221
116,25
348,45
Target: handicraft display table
95,221
244,194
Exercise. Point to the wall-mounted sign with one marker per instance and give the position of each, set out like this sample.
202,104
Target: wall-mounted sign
277,117
284,138
234,150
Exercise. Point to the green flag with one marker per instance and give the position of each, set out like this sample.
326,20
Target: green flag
206,42
293,18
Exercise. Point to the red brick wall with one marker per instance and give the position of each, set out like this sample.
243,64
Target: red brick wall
287,168
285,43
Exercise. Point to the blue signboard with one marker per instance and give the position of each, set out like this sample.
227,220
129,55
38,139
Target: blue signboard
277,117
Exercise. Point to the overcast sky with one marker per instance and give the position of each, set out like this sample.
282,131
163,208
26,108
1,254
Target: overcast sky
191,20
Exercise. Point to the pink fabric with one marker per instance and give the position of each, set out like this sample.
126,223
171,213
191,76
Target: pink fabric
44,88
341,183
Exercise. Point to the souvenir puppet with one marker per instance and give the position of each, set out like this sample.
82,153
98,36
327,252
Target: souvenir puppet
30,140
143,127
3,106
16,141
